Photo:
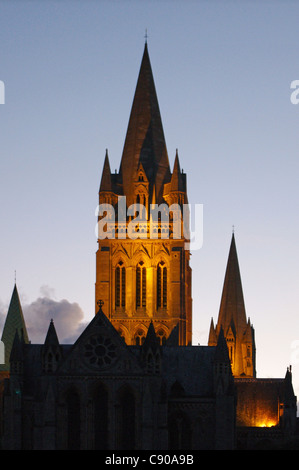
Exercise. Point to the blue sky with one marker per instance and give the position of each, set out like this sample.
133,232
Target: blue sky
223,72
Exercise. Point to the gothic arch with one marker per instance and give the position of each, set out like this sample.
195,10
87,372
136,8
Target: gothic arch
162,333
179,431
162,275
123,332
100,407
140,255
120,284
141,285
139,335
73,418
126,418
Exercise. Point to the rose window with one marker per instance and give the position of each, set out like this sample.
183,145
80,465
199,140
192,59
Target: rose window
100,351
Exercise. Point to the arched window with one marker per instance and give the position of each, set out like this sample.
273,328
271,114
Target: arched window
100,416
120,285
140,336
73,420
126,420
179,436
140,285
162,337
161,285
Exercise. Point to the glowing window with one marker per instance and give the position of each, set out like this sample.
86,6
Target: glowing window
140,285
161,285
120,285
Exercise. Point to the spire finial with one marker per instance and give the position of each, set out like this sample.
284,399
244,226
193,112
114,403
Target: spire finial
145,36
15,276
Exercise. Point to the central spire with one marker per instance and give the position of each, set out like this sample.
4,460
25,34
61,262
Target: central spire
145,141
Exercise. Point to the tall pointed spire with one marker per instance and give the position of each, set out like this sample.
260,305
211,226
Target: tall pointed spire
14,322
238,332
145,141
232,308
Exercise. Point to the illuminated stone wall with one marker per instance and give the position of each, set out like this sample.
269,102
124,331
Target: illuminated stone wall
259,402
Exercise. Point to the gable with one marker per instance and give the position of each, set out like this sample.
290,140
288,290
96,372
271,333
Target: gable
99,349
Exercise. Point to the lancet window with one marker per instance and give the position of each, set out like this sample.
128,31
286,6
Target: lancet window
140,285
120,285
161,285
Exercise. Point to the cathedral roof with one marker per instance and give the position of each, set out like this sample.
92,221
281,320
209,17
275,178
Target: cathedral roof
145,141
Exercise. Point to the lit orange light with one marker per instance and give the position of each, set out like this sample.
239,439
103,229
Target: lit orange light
266,424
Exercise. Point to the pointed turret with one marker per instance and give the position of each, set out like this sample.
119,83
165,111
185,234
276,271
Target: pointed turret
51,350
151,354
14,322
151,339
175,192
51,338
145,141
106,184
212,334
221,352
176,183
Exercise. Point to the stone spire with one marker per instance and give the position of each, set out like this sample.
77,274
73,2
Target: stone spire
238,332
145,141
177,183
232,308
14,323
106,184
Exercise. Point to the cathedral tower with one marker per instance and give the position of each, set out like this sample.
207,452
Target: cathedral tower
238,332
142,263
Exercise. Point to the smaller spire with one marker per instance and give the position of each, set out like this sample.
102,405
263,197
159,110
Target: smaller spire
151,340
212,335
176,178
106,184
221,353
51,338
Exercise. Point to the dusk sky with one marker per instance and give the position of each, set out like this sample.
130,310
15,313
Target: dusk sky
223,73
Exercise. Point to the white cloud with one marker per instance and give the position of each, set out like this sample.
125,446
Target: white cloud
67,317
